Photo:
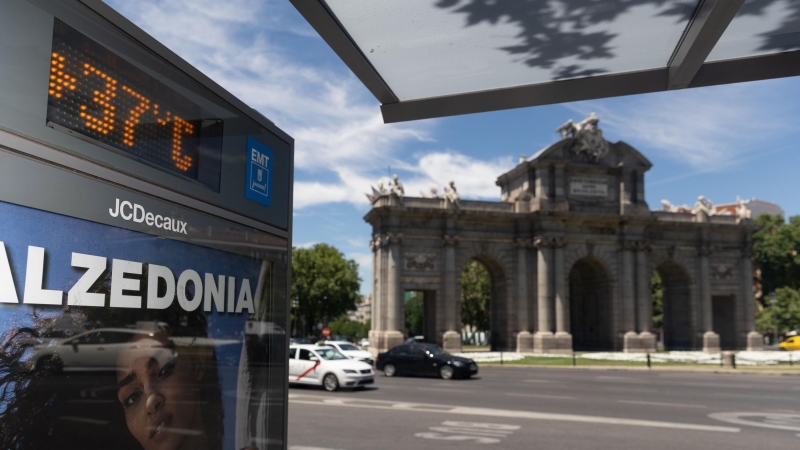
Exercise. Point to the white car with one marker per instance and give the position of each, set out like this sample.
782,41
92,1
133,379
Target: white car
351,351
364,343
94,350
327,367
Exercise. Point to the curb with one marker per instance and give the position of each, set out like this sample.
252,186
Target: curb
740,371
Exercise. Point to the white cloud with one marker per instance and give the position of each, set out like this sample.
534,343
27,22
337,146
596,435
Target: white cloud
474,178
708,129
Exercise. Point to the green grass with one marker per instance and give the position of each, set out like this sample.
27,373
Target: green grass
476,348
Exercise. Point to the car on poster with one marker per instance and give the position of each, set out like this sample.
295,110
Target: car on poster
327,367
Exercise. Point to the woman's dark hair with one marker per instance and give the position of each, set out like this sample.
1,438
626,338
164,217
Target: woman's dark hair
44,407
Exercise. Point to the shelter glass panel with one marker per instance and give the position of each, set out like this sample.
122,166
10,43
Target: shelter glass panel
426,49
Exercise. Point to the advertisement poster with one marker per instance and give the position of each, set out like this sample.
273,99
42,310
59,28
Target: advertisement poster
114,339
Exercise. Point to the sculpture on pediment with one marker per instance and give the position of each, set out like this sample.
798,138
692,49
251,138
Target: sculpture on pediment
434,192
742,211
588,141
396,187
522,159
451,194
703,204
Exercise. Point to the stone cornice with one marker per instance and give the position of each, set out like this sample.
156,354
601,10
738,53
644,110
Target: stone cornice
549,241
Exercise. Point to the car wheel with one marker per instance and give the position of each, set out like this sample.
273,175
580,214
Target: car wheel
446,372
330,382
389,370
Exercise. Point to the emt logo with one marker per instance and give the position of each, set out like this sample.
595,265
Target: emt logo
135,212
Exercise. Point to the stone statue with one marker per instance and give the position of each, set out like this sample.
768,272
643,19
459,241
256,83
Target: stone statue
434,193
450,193
377,192
522,159
703,204
667,206
742,211
396,187
588,140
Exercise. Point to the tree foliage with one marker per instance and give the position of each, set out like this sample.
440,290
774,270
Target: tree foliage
352,328
475,296
776,248
786,311
415,306
657,290
325,284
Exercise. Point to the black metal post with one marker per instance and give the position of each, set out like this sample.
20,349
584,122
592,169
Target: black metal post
574,360
733,360
648,361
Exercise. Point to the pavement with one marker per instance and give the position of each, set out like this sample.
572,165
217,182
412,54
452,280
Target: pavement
529,407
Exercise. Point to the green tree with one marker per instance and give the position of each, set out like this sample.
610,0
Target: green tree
325,284
415,305
346,327
787,312
777,254
475,296
657,289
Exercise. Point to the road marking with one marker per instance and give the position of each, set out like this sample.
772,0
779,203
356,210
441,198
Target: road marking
457,391
775,421
537,381
677,405
514,414
559,397
481,433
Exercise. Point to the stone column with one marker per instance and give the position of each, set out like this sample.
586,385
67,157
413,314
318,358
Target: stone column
376,331
563,337
710,338
755,341
644,308
630,341
543,339
452,321
395,309
524,336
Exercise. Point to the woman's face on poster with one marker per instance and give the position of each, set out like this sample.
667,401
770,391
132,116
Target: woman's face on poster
158,390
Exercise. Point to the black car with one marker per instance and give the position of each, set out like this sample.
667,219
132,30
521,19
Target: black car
424,359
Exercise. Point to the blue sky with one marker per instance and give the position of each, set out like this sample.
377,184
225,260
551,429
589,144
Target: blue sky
721,142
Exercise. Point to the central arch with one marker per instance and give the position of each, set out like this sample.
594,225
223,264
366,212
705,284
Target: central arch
499,338
590,306
677,305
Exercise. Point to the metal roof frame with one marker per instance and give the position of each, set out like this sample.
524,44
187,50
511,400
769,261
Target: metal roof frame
687,68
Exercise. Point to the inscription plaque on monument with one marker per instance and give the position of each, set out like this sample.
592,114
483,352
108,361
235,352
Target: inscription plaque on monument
587,186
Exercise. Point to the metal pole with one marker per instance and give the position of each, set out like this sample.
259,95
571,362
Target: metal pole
648,361
574,360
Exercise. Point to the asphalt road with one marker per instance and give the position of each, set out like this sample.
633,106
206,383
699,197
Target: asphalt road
524,408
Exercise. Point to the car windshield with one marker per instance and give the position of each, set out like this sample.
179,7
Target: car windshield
329,354
434,350
347,347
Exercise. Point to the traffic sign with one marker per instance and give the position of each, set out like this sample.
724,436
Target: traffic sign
326,332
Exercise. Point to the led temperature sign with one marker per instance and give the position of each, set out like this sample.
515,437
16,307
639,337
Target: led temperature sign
105,99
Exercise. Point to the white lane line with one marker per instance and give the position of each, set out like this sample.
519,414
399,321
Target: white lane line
532,415
677,405
558,397
457,391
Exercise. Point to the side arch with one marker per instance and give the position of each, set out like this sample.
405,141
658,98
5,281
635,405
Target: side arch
678,307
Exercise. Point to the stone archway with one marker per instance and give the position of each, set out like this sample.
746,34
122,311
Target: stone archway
500,338
677,304
590,306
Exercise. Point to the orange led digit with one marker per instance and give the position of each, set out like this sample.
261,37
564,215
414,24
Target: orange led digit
102,98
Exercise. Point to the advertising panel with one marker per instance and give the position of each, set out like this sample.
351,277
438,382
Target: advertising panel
118,339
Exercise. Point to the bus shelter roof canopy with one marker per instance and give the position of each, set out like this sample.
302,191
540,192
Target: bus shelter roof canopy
435,58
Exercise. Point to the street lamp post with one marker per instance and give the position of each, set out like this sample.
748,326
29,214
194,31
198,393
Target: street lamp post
773,300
